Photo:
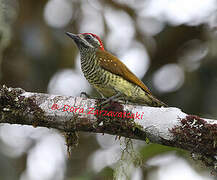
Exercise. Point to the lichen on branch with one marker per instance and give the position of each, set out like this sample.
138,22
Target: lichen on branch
166,126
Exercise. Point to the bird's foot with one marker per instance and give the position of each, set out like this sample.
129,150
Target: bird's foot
84,94
112,98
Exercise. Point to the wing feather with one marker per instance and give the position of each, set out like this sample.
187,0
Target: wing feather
112,64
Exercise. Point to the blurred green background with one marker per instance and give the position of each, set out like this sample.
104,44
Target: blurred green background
170,45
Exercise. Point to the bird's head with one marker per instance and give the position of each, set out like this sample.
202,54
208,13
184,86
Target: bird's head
86,41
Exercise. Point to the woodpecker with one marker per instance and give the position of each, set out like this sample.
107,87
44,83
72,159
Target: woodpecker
108,75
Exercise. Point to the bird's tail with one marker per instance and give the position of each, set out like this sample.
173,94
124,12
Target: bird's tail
154,102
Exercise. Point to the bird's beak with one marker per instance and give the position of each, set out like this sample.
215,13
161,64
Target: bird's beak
75,37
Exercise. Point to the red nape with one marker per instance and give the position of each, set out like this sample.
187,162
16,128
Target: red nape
97,37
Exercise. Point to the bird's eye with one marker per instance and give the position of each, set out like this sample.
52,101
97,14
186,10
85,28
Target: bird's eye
88,37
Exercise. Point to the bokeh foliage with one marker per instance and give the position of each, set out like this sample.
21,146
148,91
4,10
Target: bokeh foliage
32,51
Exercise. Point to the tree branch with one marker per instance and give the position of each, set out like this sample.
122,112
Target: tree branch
167,126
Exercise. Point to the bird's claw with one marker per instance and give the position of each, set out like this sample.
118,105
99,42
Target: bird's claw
112,98
84,94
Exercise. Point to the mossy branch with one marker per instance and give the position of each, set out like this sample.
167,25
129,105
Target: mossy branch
167,126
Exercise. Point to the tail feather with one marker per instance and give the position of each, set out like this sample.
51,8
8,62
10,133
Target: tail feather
155,102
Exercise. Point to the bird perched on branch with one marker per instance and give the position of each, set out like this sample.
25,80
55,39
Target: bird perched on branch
108,75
